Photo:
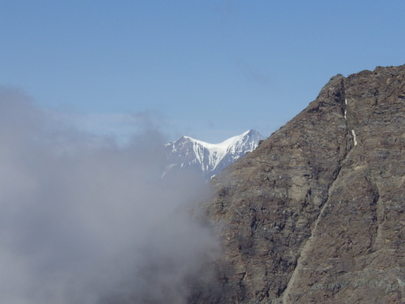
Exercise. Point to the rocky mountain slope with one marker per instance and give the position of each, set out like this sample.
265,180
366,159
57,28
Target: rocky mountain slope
208,159
316,214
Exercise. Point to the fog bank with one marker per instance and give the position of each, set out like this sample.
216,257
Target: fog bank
84,220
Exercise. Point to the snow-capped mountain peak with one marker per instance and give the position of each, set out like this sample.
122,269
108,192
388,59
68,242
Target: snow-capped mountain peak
207,158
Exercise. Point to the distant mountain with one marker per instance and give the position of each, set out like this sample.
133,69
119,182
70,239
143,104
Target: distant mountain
208,159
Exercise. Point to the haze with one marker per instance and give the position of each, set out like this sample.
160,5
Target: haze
85,221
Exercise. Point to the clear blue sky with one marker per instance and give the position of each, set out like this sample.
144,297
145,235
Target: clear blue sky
206,69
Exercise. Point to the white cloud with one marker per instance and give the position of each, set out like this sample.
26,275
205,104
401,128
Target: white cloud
83,220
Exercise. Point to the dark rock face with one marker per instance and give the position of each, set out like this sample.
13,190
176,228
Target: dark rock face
316,214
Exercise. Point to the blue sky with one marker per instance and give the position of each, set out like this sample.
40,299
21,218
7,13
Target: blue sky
206,69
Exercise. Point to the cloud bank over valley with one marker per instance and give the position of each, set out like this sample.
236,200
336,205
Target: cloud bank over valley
84,220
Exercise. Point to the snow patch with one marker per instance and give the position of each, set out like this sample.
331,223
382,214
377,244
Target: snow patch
346,109
217,152
211,158
354,138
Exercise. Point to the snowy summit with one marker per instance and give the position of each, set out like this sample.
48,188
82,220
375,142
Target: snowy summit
208,159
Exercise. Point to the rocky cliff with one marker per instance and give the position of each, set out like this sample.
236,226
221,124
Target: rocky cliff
316,214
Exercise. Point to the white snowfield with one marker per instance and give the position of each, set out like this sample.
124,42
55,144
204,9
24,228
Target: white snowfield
209,158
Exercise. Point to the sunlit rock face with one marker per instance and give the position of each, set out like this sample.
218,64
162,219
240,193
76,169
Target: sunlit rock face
316,214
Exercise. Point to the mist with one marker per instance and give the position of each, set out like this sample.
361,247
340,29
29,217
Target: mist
85,220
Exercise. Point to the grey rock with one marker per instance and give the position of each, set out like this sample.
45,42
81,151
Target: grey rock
316,214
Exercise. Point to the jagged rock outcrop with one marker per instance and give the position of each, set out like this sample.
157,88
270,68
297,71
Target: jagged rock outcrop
316,214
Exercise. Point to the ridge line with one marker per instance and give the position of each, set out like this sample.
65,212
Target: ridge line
312,237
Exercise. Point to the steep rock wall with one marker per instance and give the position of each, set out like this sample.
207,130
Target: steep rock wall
316,213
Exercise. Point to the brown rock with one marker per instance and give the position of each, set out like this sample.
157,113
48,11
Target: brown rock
316,213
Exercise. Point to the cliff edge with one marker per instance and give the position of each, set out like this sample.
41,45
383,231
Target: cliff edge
316,214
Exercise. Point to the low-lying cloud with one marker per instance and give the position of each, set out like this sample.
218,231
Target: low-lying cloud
84,220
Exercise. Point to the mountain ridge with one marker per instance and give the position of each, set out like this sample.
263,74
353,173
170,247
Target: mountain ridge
208,159
316,214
